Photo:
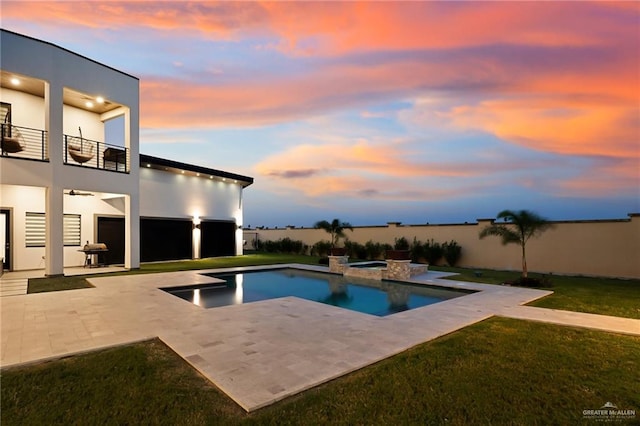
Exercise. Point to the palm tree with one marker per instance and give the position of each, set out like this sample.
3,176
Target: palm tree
520,226
335,228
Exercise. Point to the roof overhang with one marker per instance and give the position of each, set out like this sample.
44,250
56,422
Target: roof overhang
148,161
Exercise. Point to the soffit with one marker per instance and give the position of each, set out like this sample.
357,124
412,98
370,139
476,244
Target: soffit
35,87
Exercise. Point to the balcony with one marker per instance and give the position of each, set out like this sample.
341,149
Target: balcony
24,142
82,152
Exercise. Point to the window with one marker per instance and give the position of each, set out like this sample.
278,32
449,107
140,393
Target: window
35,230
71,229
35,227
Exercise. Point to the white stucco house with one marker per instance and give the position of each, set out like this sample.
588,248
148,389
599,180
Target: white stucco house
66,180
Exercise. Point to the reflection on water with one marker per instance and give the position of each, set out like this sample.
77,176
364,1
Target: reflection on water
239,291
368,296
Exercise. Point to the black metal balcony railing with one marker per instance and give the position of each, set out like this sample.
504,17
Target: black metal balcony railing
96,155
24,142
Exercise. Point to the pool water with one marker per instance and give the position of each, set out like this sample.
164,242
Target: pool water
372,297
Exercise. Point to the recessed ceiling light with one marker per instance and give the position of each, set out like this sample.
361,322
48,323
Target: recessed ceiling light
100,100
224,179
148,165
182,171
210,177
15,81
198,174
89,104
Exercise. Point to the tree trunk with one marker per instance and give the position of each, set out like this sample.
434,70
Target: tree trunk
524,263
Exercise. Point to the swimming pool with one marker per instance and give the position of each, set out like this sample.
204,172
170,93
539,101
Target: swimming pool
372,297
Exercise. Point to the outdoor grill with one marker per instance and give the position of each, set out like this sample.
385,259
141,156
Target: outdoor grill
93,252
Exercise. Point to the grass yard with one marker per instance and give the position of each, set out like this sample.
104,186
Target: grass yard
43,285
500,371
605,296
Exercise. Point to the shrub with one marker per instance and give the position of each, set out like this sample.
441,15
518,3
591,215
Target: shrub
452,252
401,244
374,250
417,250
284,245
355,250
321,248
433,252
532,282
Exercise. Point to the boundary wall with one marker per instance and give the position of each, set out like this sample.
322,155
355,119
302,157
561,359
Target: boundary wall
600,248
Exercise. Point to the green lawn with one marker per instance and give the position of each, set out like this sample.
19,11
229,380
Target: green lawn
500,371
606,296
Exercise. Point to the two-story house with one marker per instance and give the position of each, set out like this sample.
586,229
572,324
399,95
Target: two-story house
71,171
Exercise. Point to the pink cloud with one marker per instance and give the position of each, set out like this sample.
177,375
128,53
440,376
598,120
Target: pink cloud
523,71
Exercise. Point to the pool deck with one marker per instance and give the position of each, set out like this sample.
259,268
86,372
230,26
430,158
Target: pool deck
261,352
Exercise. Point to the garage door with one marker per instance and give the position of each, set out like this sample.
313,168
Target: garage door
218,238
165,239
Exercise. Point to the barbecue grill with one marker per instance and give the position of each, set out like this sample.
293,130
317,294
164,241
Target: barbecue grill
93,253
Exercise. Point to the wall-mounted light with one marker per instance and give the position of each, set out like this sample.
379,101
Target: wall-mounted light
196,226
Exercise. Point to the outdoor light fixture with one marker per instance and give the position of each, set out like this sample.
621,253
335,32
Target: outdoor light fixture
196,226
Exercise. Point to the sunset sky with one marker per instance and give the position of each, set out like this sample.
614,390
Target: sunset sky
438,112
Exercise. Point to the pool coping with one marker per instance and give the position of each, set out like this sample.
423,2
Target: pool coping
256,353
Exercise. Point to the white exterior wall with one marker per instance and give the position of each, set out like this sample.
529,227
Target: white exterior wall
60,69
177,196
31,111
